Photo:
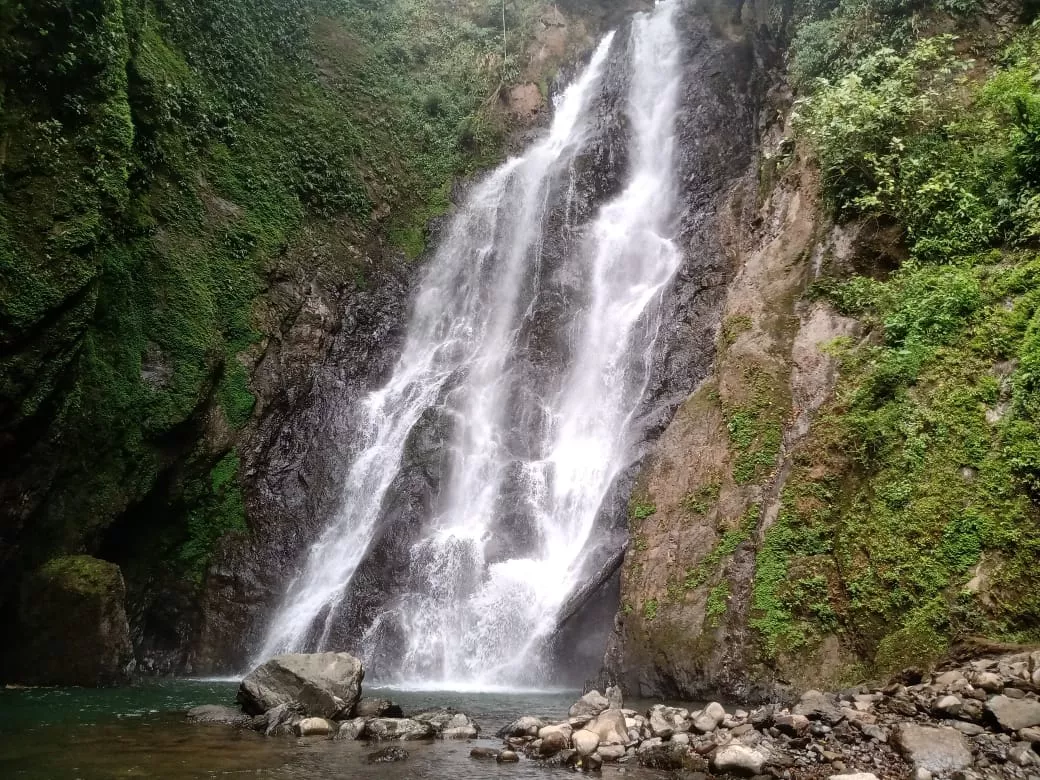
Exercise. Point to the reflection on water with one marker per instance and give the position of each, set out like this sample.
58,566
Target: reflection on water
54,733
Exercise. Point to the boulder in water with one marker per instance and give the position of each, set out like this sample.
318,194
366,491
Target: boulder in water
483,753
218,713
315,727
526,726
325,685
387,755
368,707
590,705
351,729
610,727
585,741
72,627
398,729
449,723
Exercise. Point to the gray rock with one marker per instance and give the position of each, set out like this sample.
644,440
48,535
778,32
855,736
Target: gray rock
610,727
611,753
507,757
939,750
614,699
855,776
1031,734
315,727
655,753
552,743
351,729
948,706
585,741
563,729
448,723
367,707
398,729
483,753
988,681
737,759
526,726
325,685
590,705
278,720
816,705
791,725
387,755
218,713
1014,714
593,763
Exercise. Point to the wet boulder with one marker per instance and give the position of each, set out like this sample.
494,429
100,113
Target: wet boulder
368,707
526,726
610,727
315,727
590,705
398,729
325,685
72,627
218,713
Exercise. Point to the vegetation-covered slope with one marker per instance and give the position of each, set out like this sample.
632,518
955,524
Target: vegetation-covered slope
890,510
160,162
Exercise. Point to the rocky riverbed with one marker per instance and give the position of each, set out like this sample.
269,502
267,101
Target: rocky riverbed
977,719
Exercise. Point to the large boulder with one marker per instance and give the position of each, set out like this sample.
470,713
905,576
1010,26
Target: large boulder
72,627
590,705
610,727
937,750
324,685
527,726
1014,714
377,708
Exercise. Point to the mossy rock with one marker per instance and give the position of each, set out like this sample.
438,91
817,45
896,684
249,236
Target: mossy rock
72,626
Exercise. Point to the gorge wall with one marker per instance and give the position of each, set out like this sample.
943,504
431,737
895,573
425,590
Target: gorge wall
206,255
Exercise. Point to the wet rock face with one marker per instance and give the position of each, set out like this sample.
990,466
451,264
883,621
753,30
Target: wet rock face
72,627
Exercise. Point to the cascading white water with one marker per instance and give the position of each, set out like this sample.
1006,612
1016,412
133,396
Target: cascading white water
468,616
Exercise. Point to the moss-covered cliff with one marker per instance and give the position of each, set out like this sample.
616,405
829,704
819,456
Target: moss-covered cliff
165,167
854,489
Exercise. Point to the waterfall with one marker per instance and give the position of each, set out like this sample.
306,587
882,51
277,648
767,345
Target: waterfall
529,342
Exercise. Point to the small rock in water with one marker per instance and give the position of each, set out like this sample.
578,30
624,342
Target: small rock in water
218,713
593,763
351,729
387,755
483,753
553,743
507,757
314,727
526,726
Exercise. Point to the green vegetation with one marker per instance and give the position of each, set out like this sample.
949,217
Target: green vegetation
640,509
159,162
79,574
723,549
650,609
909,517
718,601
697,502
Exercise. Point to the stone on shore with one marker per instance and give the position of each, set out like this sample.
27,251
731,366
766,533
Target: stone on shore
939,750
351,729
326,685
739,760
1014,714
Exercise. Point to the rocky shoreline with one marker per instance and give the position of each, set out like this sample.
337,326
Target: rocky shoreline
966,721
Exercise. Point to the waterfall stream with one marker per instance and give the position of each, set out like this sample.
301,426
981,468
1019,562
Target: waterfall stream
529,344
